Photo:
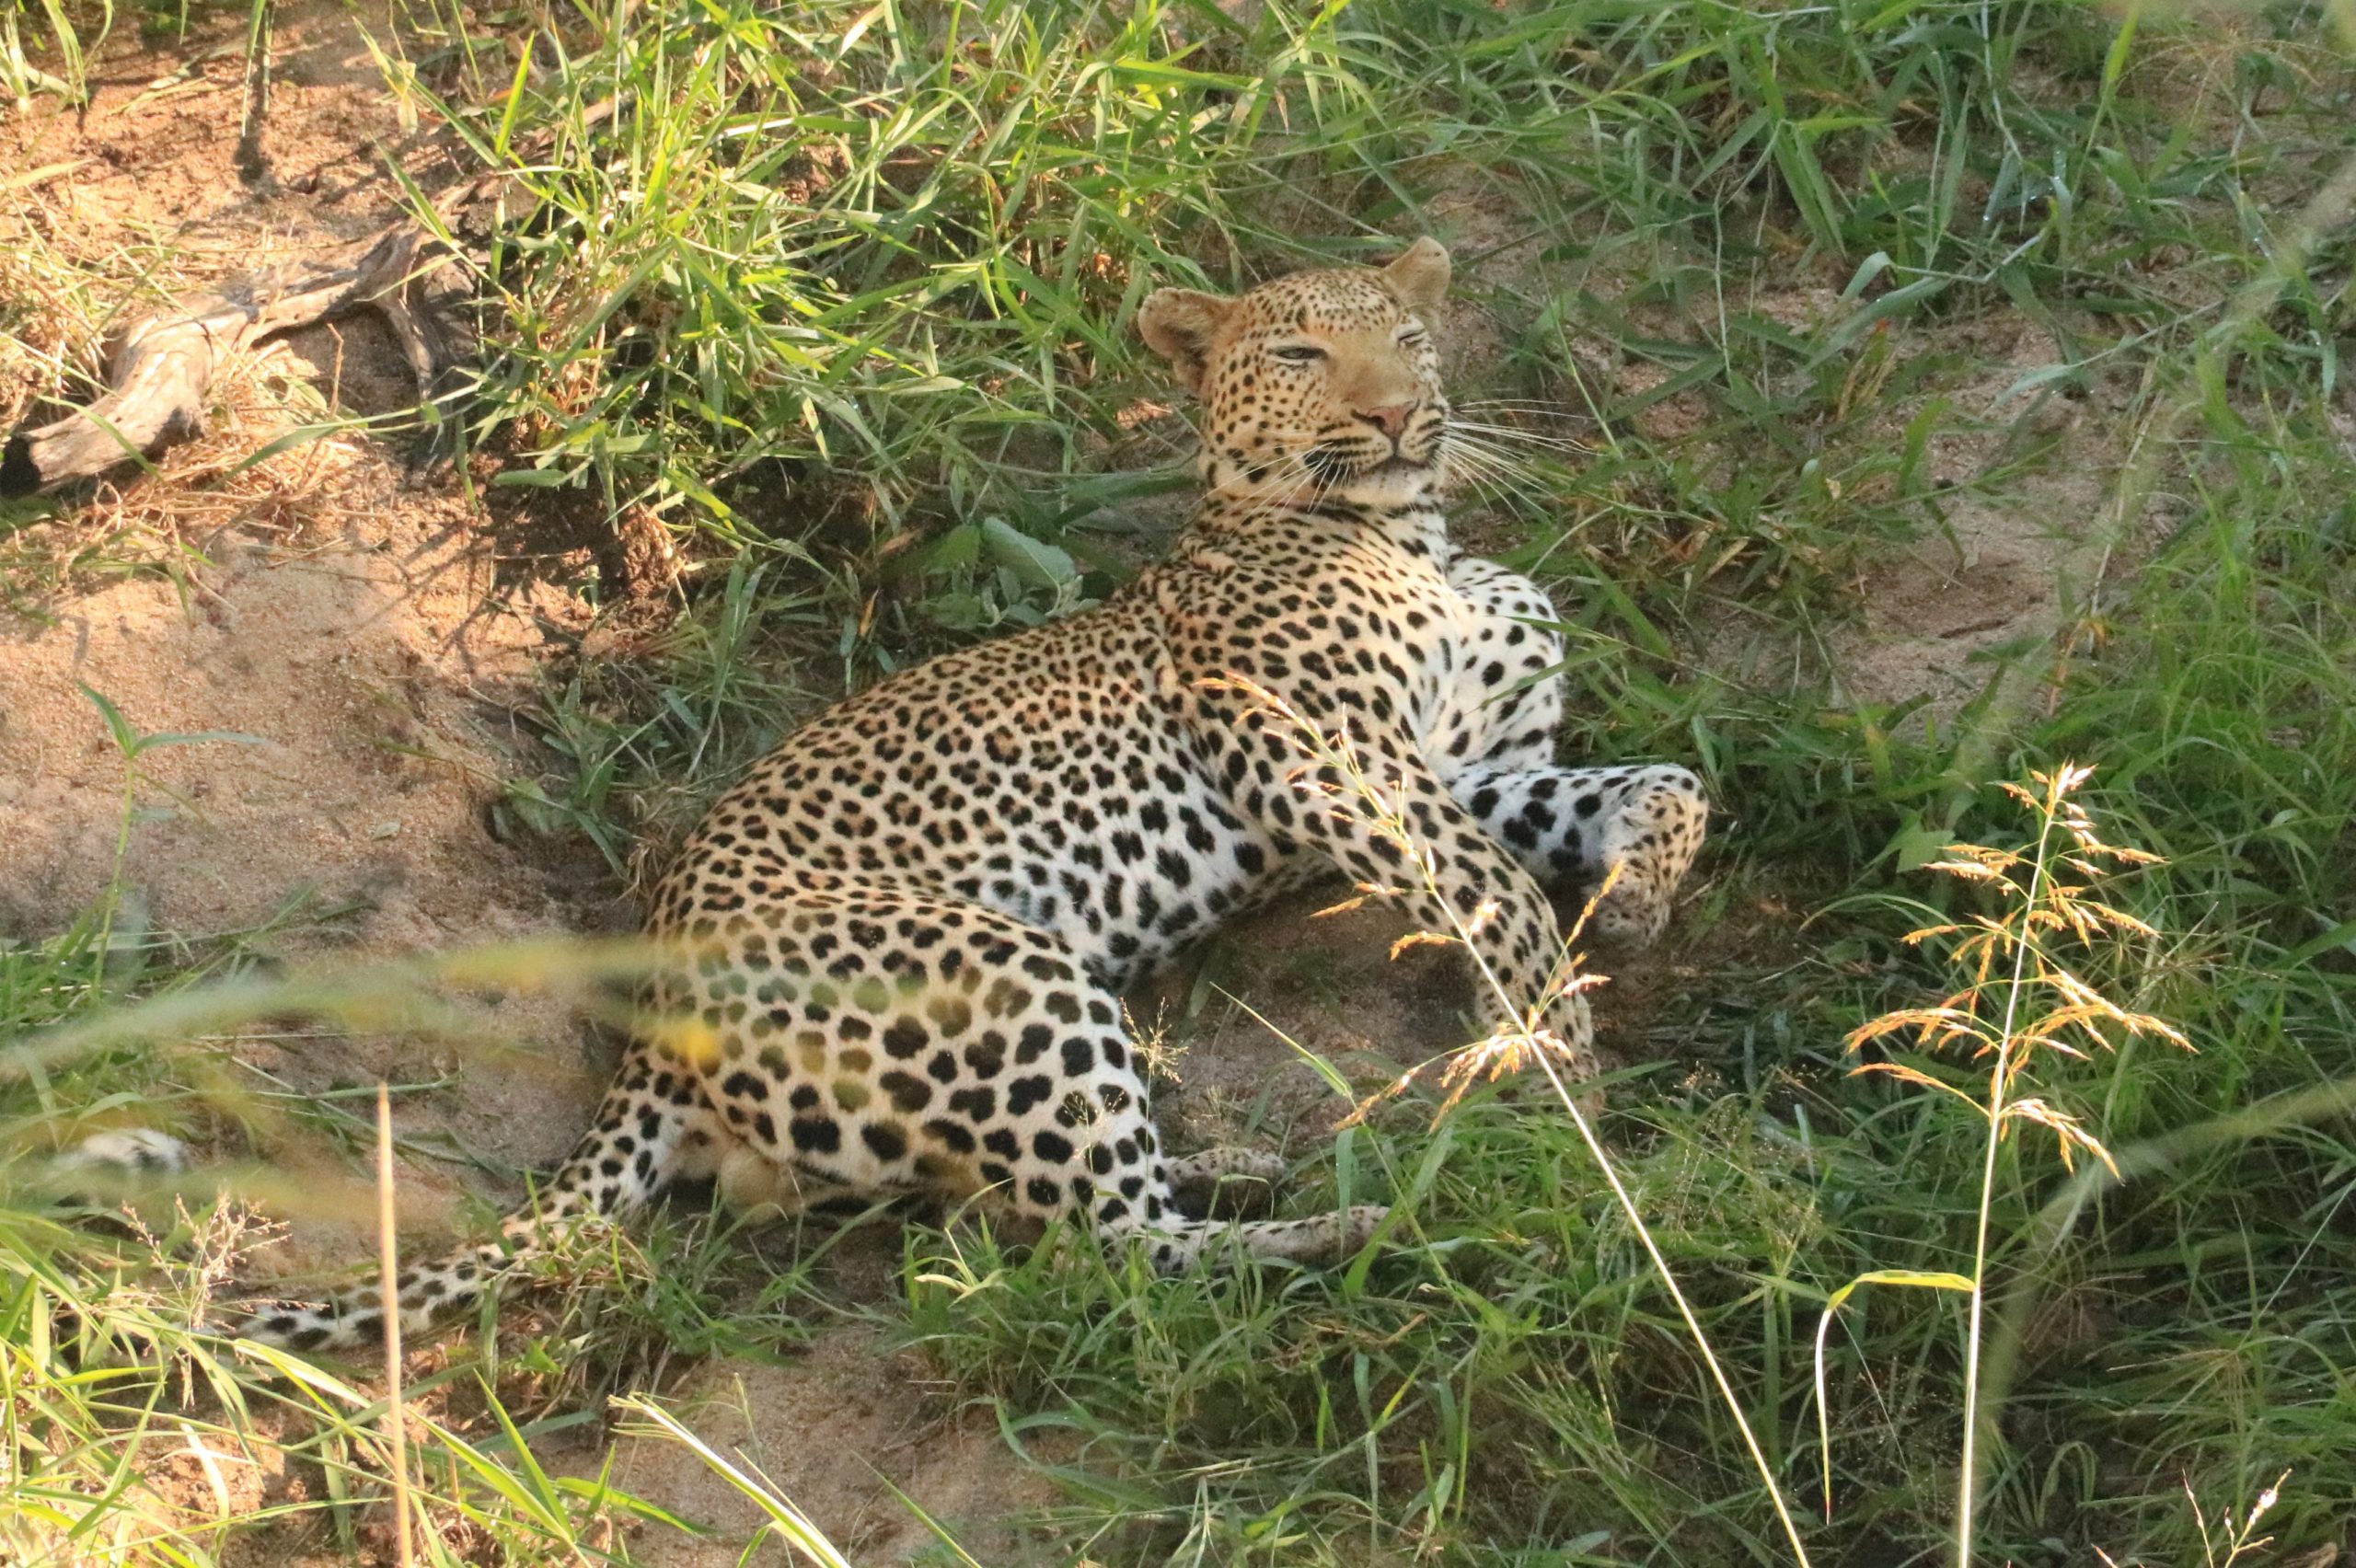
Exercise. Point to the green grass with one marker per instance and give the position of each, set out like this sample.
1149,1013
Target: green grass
841,295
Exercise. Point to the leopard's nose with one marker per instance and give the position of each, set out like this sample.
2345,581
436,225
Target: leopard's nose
1391,419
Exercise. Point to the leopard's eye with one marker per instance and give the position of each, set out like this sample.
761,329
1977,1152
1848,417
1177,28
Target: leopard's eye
1299,353
1412,337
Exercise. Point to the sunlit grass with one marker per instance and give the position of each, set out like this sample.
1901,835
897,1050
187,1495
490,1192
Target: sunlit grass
841,298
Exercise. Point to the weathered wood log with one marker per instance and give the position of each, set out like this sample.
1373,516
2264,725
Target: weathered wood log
163,366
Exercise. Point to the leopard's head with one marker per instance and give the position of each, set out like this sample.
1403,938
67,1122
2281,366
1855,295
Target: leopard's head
1316,382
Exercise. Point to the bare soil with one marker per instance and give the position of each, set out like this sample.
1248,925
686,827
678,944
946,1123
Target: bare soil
835,1432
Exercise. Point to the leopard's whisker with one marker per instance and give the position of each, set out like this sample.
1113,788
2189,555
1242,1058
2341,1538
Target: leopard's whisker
1473,450
1492,471
1490,452
1489,489
1531,437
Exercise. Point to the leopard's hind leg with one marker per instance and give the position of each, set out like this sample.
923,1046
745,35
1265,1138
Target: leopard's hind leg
887,1039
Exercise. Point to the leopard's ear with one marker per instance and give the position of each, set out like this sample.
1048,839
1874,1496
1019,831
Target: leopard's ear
1182,326
1419,277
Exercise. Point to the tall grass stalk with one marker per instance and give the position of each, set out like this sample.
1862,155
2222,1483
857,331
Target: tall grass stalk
389,1271
2007,1053
2043,1005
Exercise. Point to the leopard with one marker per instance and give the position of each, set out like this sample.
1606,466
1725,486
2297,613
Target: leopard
896,952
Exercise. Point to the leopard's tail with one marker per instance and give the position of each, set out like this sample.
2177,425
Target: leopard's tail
630,1153
427,1295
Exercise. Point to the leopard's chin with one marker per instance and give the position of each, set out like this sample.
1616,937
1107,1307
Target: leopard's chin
1395,470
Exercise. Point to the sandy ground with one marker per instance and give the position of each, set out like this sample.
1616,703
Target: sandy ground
356,642
828,1432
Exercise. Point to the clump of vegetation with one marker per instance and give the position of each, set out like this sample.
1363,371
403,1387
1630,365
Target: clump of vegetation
837,295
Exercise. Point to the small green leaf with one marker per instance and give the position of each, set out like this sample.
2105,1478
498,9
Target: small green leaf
126,739
1037,564
201,738
1917,843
